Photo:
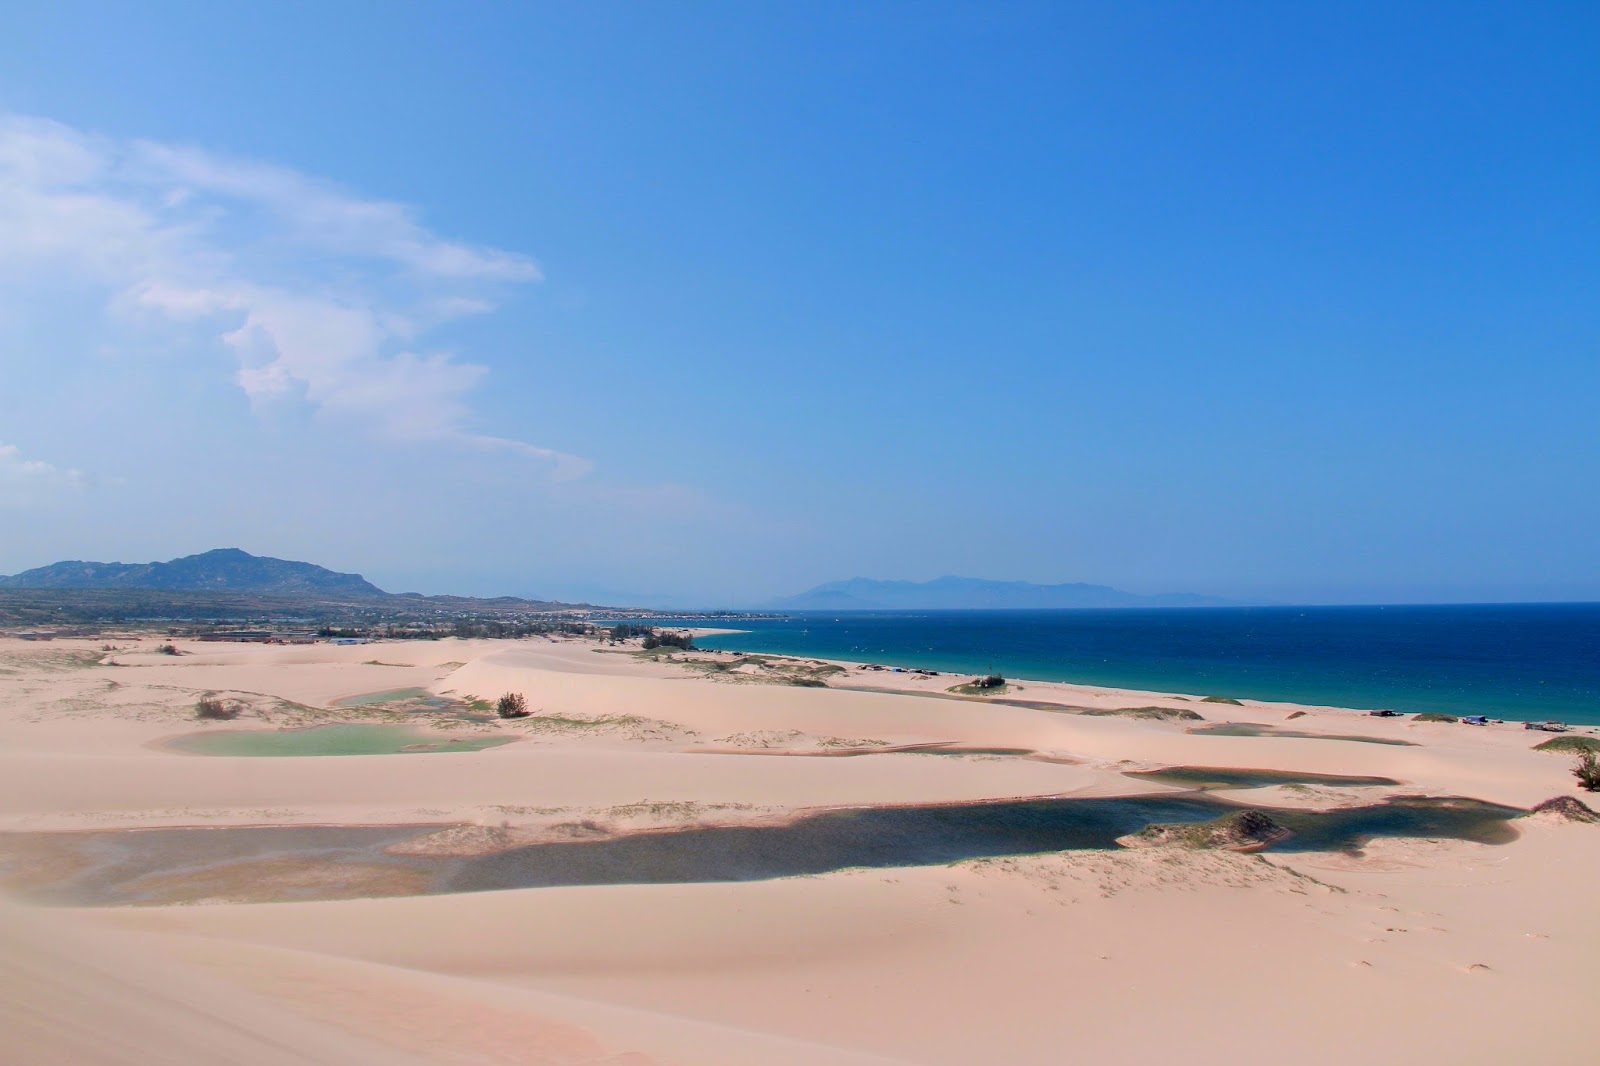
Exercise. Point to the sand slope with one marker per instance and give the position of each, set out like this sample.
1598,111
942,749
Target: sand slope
76,993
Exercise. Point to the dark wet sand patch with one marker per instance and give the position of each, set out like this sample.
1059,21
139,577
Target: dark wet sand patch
1247,729
938,748
238,864
1210,778
1153,713
285,878
1032,705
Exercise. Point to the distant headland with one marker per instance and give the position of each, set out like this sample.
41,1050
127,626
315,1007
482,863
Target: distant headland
970,593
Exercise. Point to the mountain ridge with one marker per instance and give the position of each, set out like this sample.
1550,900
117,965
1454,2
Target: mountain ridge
221,569
969,593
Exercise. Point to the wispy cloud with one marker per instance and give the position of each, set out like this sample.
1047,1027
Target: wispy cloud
25,482
322,296
318,214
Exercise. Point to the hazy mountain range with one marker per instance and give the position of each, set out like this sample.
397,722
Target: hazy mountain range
222,570
963,593
236,571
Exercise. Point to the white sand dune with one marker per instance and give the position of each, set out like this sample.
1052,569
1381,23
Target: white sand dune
76,992
1417,950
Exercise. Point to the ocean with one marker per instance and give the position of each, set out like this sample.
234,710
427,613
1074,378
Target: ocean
1524,661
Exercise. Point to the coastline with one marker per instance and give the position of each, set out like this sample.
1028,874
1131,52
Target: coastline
1445,659
1072,697
994,957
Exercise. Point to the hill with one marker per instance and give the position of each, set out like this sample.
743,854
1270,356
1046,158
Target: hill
220,570
969,593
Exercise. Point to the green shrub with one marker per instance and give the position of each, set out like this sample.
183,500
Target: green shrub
213,709
1431,716
1587,771
512,705
1222,699
989,685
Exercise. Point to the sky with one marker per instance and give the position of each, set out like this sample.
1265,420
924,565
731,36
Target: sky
705,304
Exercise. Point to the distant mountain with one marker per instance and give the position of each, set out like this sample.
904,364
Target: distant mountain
222,570
970,593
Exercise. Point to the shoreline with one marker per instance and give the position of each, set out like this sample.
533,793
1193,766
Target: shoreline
1005,956
1572,716
884,671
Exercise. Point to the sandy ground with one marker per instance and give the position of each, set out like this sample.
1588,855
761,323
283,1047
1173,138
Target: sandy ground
1415,950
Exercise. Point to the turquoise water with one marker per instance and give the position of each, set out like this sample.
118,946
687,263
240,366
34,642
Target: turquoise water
396,695
330,740
393,695
1528,661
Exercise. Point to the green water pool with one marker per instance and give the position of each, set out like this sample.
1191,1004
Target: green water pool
331,740
393,695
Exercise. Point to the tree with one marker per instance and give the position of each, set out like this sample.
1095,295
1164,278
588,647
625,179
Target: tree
512,705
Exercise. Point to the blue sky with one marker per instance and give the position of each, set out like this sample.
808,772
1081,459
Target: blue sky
711,303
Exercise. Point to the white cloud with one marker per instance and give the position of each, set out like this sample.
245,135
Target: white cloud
25,482
322,296
320,214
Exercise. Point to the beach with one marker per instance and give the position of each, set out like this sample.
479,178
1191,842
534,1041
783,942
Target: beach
1413,946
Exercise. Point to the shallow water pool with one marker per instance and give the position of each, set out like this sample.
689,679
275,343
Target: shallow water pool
352,739
335,862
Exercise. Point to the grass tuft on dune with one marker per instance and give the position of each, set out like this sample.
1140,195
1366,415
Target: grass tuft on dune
1569,745
1568,807
1238,831
1161,714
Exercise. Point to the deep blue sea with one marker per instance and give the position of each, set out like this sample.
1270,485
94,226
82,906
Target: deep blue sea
1509,661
